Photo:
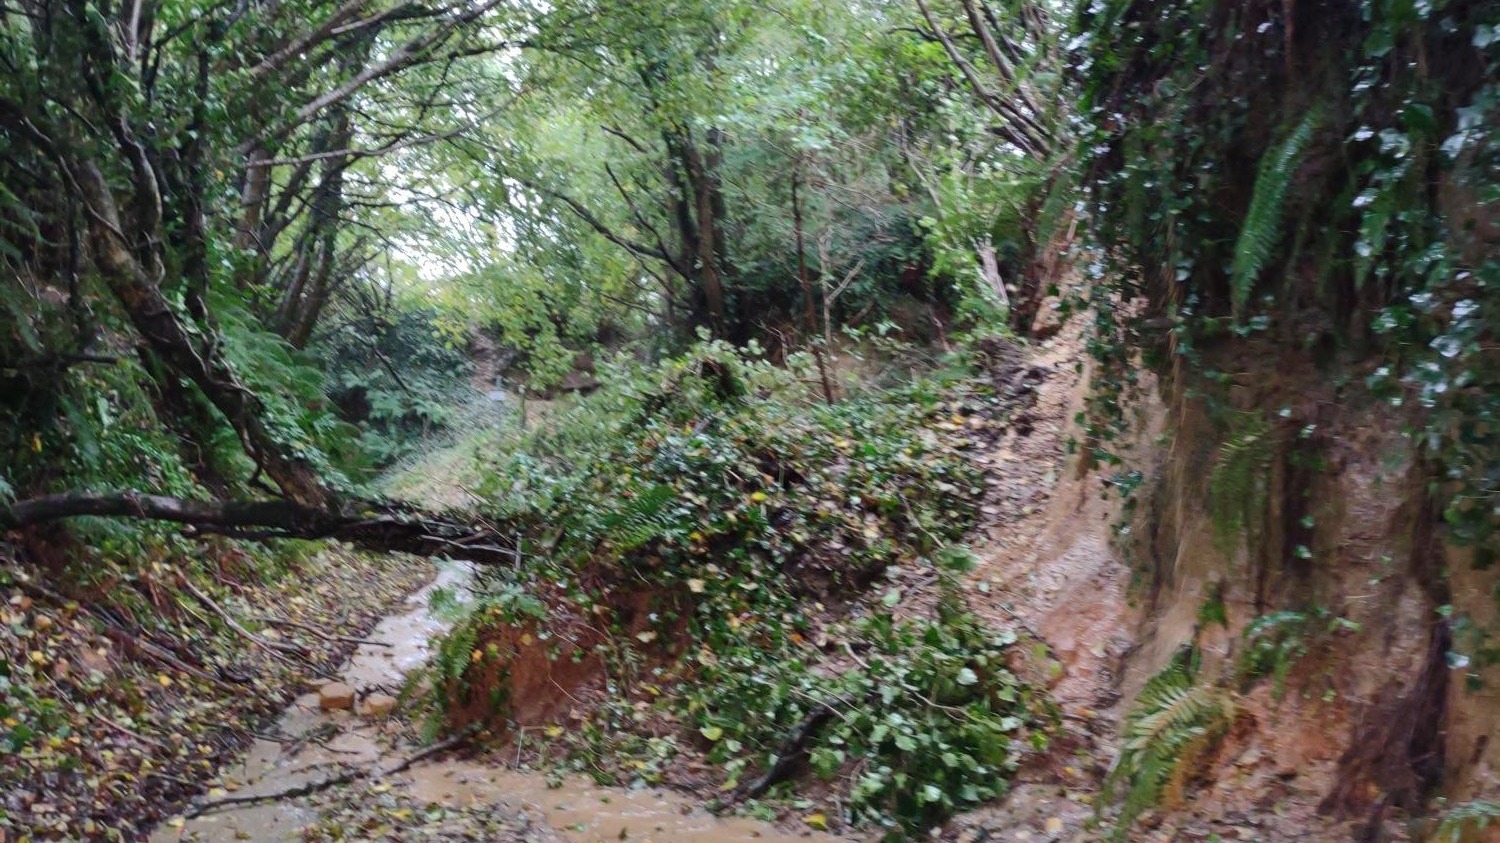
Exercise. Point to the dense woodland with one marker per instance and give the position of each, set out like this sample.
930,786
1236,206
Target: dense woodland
262,256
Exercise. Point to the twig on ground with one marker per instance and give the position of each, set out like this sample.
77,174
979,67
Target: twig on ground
346,777
130,733
316,633
273,646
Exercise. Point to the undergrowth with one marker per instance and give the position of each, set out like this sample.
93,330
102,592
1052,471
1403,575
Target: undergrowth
712,533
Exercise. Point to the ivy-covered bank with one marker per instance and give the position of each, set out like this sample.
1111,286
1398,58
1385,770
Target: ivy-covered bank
706,600
1296,205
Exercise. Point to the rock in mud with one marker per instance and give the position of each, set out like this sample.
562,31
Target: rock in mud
378,706
335,696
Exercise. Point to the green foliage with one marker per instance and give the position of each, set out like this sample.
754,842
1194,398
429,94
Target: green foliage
643,518
1213,610
1276,642
707,450
718,486
1371,264
927,717
400,378
1464,820
1173,725
1261,232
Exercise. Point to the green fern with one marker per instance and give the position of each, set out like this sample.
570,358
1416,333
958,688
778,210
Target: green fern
1276,643
1262,228
641,519
1464,819
453,655
1237,490
1175,722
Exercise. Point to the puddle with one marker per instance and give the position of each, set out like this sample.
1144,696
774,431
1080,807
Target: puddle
577,811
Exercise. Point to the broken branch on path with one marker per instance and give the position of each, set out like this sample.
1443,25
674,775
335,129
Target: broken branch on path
346,777
133,645
792,752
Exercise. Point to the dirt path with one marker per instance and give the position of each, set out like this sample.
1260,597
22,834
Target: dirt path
439,798
1046,566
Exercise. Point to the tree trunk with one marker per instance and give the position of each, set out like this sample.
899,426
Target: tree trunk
178,346
375,526
809,314
703,176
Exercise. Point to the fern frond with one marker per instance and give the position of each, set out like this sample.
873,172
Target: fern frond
642,518
1261,230
1463,820
1237,486
1174,724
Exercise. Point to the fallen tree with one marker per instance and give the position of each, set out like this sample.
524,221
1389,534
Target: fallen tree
379,526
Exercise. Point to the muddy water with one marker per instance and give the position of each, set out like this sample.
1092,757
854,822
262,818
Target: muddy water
577,811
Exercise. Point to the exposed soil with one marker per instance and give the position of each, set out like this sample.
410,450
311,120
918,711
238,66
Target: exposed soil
1048,568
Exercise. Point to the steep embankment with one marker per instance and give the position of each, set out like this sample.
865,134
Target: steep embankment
1178,613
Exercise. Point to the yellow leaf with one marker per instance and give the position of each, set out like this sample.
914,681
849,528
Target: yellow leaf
645,637
554,731
758,497
1054,825
476,655
177,822
36,442
816,821
163,680
695,586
